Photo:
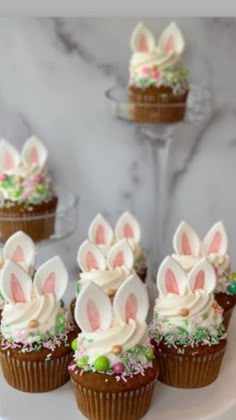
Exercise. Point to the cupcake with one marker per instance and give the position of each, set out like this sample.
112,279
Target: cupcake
114,370
27,199
20,249
101,233
187,327
189,250
35,332
107,272
158,86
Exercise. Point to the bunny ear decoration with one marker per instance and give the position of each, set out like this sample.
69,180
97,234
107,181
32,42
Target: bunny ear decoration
171,40
100,231
93,309
20,249
131,300
90,257
9,156
186,241
15,283
216,240
128,227
142,39
120,254
34,152
171,278
202,277
51,277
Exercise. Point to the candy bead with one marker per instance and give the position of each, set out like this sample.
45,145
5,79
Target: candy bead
184,312
149,355
231,289
82,361
184,72
74,344
38,179
102,363
33,323
116,349
118,368
111,293
40,188
3,177
62,303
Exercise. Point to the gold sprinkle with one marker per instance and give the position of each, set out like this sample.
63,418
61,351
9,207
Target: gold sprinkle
117,349
111,293
33,323
184,312
214,305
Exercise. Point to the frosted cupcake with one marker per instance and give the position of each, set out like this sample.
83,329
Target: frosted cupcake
187,327
127,226
20,249
107,272
35,332
158,84
114,369
189,250
25,191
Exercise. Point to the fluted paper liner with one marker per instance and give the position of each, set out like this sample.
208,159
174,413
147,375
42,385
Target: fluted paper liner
38,225
35,376
188,371
227,317
125,405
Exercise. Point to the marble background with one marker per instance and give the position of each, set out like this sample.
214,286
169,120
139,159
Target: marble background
53,75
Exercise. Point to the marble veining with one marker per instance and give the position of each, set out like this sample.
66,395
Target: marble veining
54,72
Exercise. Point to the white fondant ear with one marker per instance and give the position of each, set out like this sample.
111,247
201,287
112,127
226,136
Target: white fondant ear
202,277
90,257
100,231
34,152
120,254
20,249
9,156
171,40
131,300
216,240
128,227
186,241
93,309
15,283
171,278
142,39
51,277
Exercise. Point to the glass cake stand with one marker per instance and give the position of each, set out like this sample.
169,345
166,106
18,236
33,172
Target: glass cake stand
159,137
64,218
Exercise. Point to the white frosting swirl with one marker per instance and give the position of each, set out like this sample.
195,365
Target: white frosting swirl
106,279
16,318
202,310
100,342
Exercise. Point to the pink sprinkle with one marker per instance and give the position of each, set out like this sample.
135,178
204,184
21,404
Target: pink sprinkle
118,368
146,70
3,177
155,74
38,179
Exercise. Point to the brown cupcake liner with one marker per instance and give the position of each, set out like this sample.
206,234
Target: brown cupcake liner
227,302
38,225
227,317
35,376
125,405
189,371
149,105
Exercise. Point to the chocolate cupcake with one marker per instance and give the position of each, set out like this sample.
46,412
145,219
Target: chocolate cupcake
107,272
158,86
187,327
27,199
189,250
35,332
114,369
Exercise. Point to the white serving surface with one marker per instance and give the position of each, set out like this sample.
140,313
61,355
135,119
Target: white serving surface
215,402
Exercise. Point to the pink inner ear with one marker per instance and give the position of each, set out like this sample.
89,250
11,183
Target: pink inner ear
186,248
171,283
18,254
170,44
91,261
49,285
34,157
93,314
131,307
100,235
119,260
199,281
128,231
143,45
215,243
16,289
9,161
